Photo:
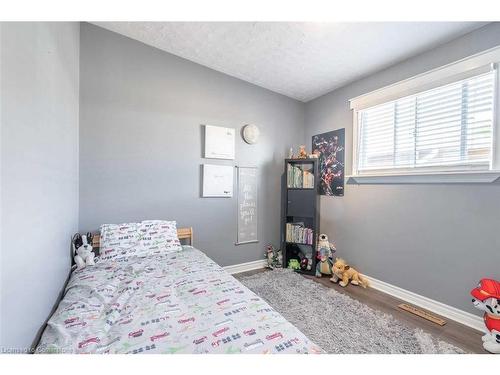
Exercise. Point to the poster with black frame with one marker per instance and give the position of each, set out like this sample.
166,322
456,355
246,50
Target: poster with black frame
330,148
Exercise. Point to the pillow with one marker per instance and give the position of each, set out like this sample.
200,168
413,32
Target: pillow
158,236
141,239
118,240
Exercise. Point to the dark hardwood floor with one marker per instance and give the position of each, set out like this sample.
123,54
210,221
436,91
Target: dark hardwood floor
455,333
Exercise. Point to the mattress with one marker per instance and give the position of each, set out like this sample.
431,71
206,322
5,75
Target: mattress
181,302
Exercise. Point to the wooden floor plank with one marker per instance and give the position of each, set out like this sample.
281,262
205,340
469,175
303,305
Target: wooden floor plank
422,313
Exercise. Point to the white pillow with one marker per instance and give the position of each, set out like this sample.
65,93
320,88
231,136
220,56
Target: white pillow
140,239
158,236
118,240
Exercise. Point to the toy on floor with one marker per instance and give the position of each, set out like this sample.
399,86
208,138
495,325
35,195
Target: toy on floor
280,259
294,264
273,257
342,271
269,255
82,250
325,251
487,298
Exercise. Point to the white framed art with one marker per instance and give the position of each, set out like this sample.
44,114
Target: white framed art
219,142
217,181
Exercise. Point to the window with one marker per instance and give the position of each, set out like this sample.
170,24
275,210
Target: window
447,128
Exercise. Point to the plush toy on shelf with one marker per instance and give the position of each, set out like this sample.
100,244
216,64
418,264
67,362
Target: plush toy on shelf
304,263
309,264
487,298
302,152
342,271
82,250
293,264
325,251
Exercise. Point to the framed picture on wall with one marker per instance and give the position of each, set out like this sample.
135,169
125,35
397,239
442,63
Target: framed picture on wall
217,181
219,142
330,147
247,205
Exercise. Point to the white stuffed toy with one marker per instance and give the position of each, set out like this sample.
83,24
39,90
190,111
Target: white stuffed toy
82,250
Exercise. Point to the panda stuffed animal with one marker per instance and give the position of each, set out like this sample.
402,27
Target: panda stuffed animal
82,250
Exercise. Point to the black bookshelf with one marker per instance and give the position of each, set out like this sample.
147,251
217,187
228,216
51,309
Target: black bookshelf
301,208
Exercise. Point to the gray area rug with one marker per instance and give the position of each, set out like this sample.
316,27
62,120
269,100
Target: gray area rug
335,321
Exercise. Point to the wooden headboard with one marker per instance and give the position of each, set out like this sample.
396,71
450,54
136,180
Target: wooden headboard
182,233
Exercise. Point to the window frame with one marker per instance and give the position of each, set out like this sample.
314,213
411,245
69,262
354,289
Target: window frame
462,69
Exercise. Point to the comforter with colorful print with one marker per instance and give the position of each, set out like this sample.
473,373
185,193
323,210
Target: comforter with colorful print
181,302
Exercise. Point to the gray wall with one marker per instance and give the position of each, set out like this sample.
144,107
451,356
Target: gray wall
141,111
39,171
435,240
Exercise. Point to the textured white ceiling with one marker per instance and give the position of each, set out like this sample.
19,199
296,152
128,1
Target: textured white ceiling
300,60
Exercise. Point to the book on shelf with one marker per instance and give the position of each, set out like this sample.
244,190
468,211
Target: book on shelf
298,178
297,233
308,180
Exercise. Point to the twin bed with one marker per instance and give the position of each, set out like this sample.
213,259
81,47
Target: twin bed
149,294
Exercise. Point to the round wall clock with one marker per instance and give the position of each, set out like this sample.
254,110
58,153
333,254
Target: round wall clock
251,134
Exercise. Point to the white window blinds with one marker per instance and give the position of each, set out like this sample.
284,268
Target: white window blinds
444,128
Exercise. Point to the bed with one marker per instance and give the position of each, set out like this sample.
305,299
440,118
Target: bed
175,302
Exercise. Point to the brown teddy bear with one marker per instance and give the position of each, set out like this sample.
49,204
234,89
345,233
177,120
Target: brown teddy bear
302,152
342,271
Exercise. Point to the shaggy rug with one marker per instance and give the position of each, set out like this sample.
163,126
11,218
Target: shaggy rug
335,321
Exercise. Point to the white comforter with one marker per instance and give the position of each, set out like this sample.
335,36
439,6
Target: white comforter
181,302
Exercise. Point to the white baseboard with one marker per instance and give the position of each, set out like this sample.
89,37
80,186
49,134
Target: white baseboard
434,306
244,267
